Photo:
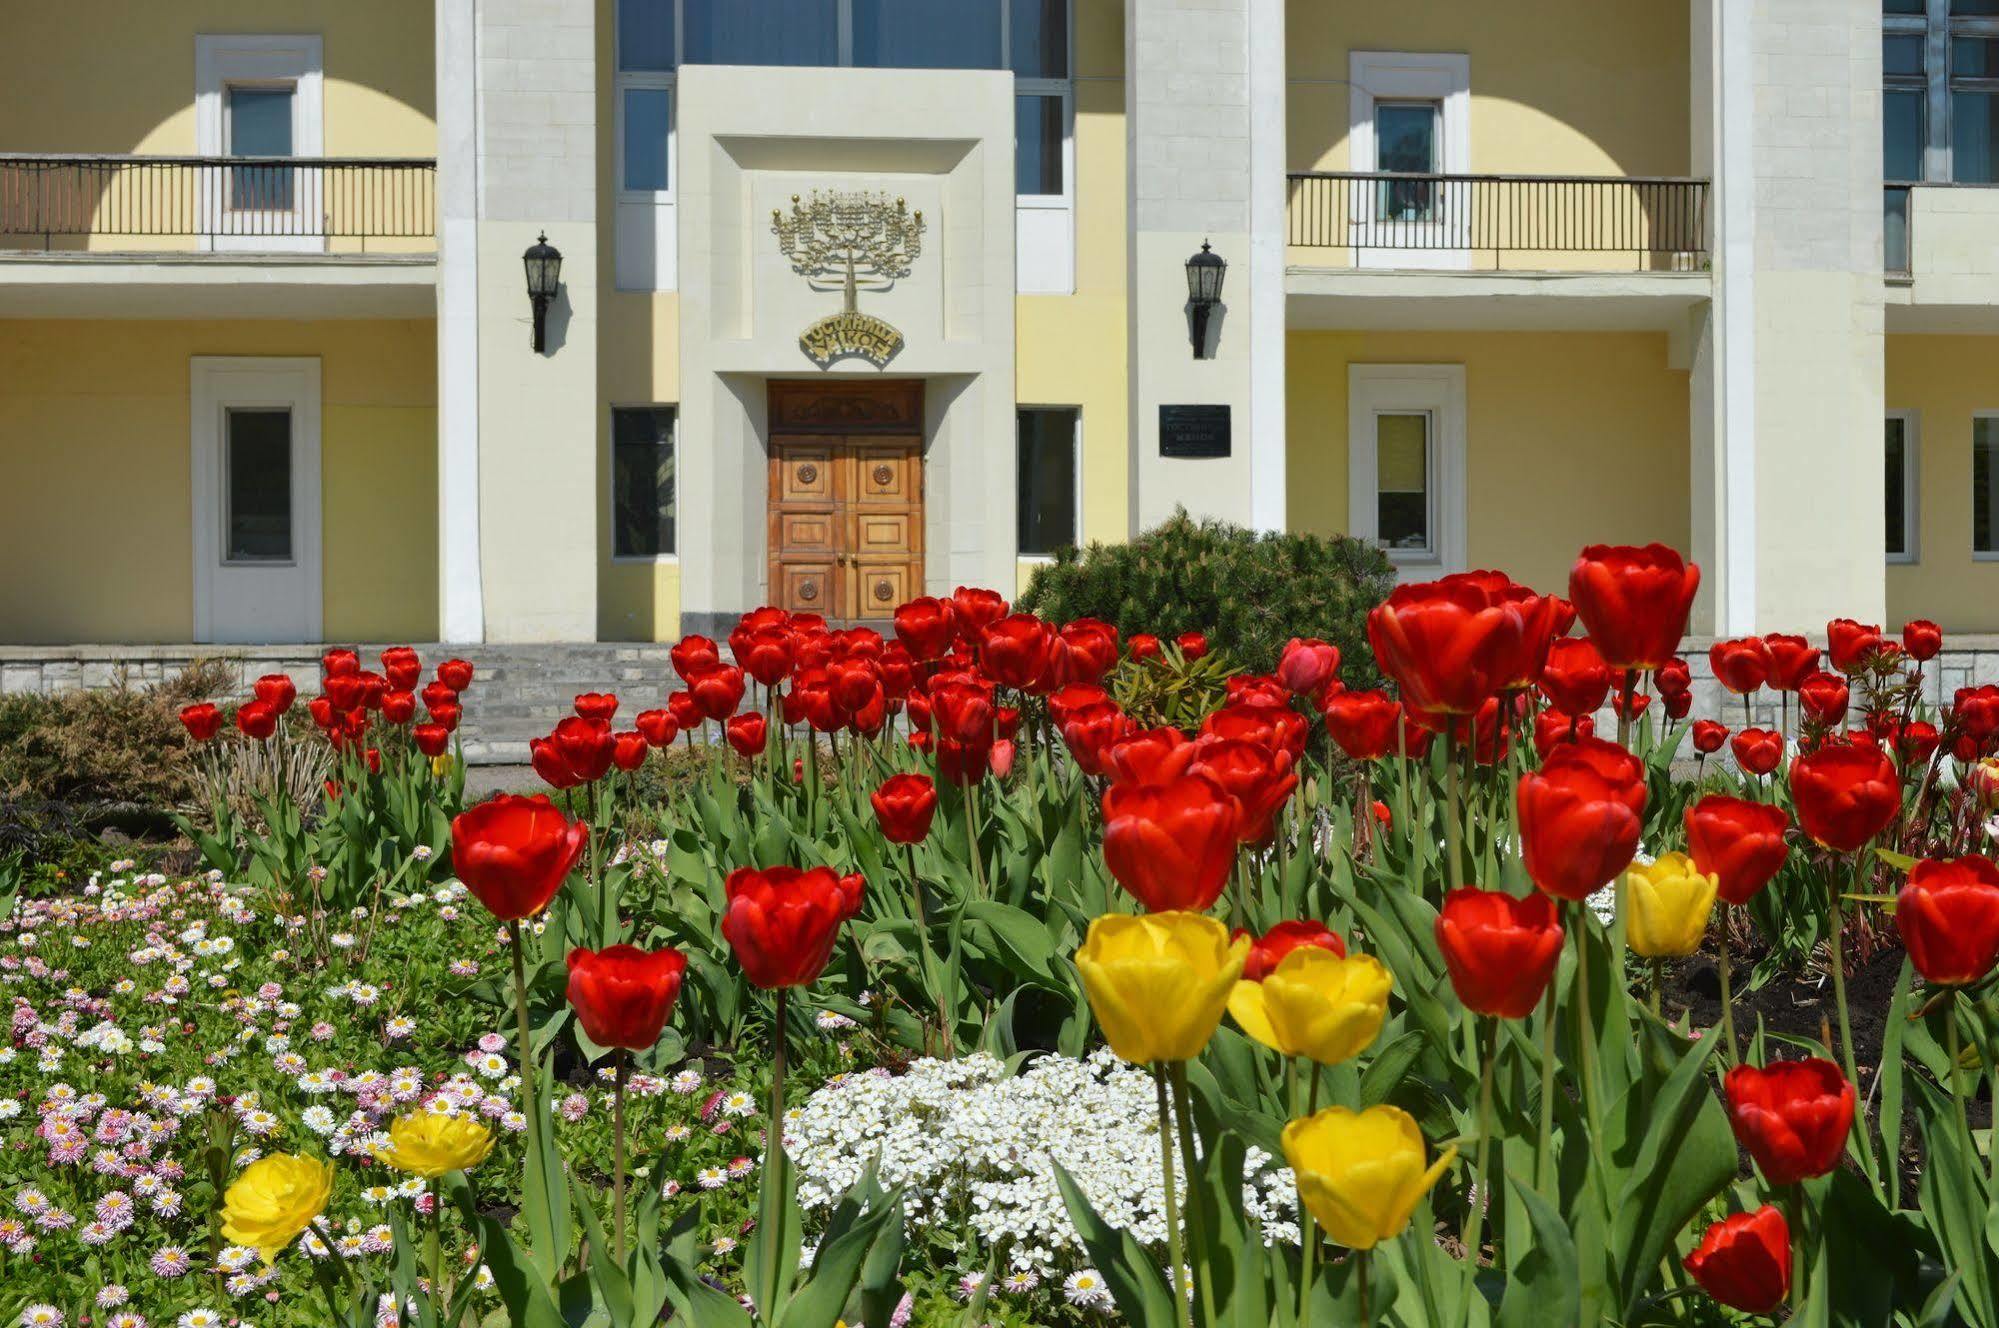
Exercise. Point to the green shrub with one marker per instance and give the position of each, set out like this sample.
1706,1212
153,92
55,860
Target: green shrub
1249,593
93,750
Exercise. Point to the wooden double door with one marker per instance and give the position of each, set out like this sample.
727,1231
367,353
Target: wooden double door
846,497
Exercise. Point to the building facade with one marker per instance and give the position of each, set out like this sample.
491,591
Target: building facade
863,298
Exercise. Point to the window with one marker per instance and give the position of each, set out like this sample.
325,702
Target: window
1899,486
1974,109
768,32
1409,113
927,34
1406,463
257,492
1940,92
1904,96
642,481
1984,485
258,123
1405,142
1049,447
259,96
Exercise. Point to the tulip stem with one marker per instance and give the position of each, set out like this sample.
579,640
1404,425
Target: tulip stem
1402,770
1489,1046
972,838
1196,1223
1727,996
439,1298
1452,830
1658,981
772,1198
1544,1149
1307,1227
1174,1254
1955,1050
1625,691
621,1059
931,974
1586,1039
1839,994
526,1039
1366,1300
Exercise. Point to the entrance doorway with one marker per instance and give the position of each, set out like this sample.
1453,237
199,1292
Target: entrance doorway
846,496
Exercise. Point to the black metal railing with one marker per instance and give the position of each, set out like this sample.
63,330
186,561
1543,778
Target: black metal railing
107,201
1649,223
1896,231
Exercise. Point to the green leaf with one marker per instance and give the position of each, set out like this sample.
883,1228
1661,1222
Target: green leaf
516,1277
837,1268
1686,1156
1543,1282
1136,1283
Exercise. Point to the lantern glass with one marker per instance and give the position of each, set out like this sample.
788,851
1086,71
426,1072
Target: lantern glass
544,269
1204,276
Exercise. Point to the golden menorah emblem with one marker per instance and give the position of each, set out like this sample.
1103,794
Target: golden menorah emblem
856,241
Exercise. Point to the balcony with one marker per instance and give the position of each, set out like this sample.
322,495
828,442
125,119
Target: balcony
125,236
1387,251
1938,258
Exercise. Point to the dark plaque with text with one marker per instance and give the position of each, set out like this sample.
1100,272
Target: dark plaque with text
1193,431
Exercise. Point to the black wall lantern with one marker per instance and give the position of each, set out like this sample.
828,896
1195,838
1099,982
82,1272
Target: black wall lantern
544,265
1204,291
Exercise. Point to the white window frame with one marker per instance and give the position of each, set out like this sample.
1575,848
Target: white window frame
611,483
1436,390
1409,76
646,230
220,383
1978,555
267,60
1076,445
1912,430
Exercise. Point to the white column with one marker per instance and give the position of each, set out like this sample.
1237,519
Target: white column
460,596
1268,196
1734,360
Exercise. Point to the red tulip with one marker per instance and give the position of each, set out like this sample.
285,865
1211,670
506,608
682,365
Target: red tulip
927,627
432,740
904,806
339,663
767,655
1737,841
781,922
1852,643
1307,665
399,707
1916,741
977,609
455,674
1678,705
1090,732
1633,602
583,749
628,750
513,853
256,720
1258,689
1922,639
747,733
1000,758
717,690
202,720
692,655
1674,677
276,691
1758,751
657,726
1792,660
1741,665
1574,677
1143,646
1845,793
596,705
622,995
1076,697
446,717
1452,643
1709,736
1171,845
1948,915
1014,651
1792,1116
435,694
686,711
1552,727
401,667
1744,1261
1279,728
1267,950
1975,710
1083,651
1633,705
1150,756
1260,779
1500,950
1363,723
1193,645
1823,697
1580,817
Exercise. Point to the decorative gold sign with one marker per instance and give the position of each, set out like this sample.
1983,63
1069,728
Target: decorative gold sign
858,239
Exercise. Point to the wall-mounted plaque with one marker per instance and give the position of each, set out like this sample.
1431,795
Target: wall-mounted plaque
1193,431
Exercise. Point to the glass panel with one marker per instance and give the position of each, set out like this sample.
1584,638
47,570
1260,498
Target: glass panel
645,35
1902,6
1895,233
648,119
260,125
1902,54
768,32
1973,8
1040,39
1974,131
1037,145
1406,140
1984,477
927,34
1046,496
1974,57
258,472
1402,483
1902,134
642,506
1896,477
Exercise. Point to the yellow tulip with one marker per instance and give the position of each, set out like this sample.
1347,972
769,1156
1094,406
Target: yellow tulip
1361,1173
428,1145
1666,907
1158,982
275,1199
1316,1004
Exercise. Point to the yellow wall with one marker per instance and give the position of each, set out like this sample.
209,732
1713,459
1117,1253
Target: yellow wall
96,515
118,75
1571,438
1946,379
1558,87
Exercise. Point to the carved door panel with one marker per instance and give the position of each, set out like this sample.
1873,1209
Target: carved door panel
884,524
807,539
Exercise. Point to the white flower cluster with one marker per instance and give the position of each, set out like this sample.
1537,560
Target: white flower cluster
976,1148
